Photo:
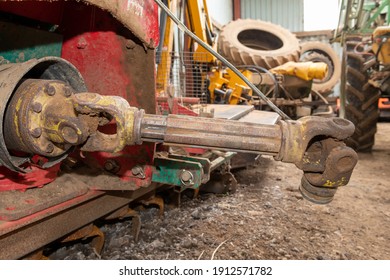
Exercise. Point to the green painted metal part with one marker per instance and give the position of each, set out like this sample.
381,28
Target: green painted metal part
168,171
206,165
20,43
384,7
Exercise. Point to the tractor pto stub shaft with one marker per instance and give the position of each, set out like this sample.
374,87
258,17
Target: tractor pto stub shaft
212,133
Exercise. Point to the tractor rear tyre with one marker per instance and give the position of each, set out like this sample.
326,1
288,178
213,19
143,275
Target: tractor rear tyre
316,51
255,42
361,97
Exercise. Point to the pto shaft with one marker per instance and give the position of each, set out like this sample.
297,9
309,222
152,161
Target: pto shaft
211,133
47,118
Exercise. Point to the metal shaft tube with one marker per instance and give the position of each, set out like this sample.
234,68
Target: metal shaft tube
212,133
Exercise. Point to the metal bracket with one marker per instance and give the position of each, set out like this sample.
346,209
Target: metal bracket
182,173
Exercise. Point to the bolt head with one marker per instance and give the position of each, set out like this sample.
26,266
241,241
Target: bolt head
50,90
82,43
69,134
67,92
108,166
36,132
49,148
136,170
112,166
37,107
186,176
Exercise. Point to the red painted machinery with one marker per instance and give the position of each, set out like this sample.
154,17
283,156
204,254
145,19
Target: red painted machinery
72,150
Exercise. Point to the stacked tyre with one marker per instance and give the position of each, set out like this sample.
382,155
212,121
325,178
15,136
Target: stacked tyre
259,43
316,51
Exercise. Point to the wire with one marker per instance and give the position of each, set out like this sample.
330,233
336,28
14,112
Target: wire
222,59
330,109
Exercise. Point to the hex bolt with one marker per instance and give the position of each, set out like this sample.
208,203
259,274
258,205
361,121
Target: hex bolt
82,43
50,90
69,134
186,177
67,92
138,171
111,166
49,148
37,107
36,132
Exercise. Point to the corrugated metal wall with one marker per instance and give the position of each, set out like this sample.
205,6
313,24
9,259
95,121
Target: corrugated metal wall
287,13
220,10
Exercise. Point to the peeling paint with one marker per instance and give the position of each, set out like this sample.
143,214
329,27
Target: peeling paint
136,7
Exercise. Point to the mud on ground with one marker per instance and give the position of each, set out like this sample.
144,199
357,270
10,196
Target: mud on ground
266,218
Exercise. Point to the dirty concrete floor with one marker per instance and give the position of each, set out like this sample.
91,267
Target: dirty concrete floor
265,219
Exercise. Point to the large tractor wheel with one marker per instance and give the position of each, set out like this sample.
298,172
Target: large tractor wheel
255,42
316,51
361,97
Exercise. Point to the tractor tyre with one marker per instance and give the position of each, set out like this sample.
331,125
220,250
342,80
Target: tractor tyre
255,42
361,98
316,51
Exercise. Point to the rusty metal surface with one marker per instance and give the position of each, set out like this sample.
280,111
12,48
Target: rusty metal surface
45,117
157,201
11,74
336,163
112,59
316,194
119,109
298,134
223,134
114,183
88,231
220,184
21,238
212,133
127,212
15,205
139,16
38,114
315,145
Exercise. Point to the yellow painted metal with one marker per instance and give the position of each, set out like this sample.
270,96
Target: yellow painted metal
304,70
381,43
228,81
165,62
199,21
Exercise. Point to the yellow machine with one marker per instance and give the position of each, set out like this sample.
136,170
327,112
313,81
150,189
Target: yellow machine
381,44
215,83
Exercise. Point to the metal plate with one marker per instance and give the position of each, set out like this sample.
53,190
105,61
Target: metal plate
260,117
15,204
